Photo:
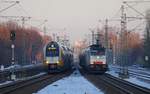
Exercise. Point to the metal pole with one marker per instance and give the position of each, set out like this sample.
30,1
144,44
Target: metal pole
24,42
98,38
92,36
123,43
106,33
13,52
54,36
13,76
121,39
44,30
106,39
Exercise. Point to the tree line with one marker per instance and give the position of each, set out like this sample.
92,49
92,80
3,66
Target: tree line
29,43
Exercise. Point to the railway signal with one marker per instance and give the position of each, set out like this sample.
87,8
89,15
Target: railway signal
12,38
12,35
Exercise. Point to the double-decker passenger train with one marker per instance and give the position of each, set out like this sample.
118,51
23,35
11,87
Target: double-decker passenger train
57,58
93,59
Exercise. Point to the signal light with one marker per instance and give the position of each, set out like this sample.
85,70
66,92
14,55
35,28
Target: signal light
12,35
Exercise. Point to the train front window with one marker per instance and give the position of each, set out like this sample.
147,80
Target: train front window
52,51
95,53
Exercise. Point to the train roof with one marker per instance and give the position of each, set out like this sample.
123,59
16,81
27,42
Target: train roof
52,43
94,47
58,44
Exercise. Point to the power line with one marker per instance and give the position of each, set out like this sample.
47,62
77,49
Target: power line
137,26
134,9
137,1
116,13
9,6
24,9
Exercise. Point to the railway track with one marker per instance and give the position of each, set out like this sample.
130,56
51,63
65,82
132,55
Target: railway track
137,73
113,85
136,70
145,78
32,85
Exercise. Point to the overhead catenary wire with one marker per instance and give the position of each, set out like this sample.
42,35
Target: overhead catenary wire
135,10
116,13
137,1
2,10
23,9
137,26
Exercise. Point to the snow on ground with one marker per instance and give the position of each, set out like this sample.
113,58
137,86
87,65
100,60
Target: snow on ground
112,72
23,78
30,77
138,82
7,82
73,84
131,79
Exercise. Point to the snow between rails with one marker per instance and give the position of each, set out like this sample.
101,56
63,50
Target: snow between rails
73,84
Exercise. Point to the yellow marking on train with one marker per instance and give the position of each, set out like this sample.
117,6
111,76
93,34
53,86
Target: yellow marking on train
60,63
51,48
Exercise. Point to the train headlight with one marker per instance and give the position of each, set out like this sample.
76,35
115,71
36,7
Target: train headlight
98,57
57,62
91,62
47,62
104,62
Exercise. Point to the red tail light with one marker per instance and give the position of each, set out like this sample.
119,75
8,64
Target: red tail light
98,62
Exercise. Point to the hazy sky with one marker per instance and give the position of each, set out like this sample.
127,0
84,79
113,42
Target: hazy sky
77,16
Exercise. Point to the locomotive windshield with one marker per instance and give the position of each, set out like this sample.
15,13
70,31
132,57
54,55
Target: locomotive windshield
52,49
97,50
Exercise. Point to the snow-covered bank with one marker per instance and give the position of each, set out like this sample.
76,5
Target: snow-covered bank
7,82
131,79
74,84
24,78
